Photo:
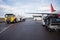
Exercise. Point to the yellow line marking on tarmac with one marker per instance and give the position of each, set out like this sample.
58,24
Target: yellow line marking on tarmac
6,28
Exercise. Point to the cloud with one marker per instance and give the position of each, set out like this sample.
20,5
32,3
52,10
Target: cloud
6,9
23,9
26,6
1,1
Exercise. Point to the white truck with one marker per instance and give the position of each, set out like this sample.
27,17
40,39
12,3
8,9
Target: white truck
37,17
52,22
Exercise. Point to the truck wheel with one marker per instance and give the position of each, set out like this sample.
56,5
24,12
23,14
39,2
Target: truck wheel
20,19
15,21
24,19
49,29
43,25
7,22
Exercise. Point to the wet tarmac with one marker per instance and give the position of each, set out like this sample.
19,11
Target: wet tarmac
28,30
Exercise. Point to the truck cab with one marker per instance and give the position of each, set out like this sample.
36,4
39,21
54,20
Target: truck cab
9,18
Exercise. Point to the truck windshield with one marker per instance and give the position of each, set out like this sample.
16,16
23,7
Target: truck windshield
56,18
9,15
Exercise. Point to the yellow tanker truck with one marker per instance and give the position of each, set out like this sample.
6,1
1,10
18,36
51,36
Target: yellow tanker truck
9,18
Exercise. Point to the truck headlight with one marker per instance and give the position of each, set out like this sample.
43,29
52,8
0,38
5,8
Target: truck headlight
5,19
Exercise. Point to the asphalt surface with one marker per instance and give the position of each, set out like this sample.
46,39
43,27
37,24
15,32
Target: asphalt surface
28,30
3,26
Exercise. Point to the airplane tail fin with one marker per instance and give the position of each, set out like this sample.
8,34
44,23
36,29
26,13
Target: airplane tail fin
52,8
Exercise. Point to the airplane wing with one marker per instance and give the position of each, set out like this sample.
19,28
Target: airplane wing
43,13
53,11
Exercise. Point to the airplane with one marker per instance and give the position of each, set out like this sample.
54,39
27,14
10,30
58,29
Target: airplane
51,9
52,20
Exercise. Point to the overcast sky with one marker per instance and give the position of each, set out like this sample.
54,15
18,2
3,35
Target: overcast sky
27,6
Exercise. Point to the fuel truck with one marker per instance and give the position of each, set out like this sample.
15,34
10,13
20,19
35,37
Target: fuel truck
10,18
